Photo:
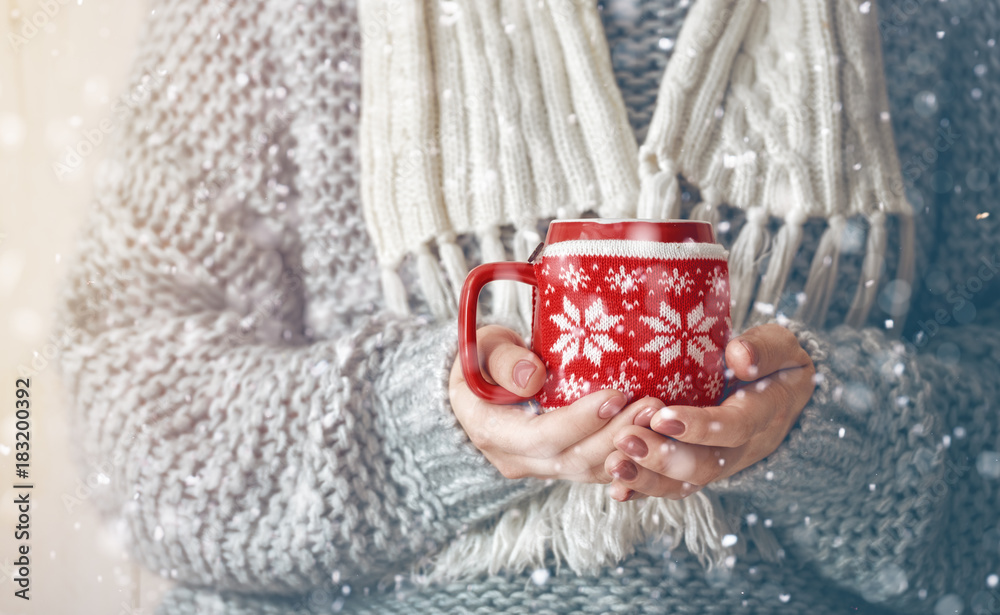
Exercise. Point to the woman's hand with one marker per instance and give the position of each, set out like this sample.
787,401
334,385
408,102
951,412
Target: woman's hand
707,444
567,443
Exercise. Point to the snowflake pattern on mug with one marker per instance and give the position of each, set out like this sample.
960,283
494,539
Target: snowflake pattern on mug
623,281
626,382
645,327
591,334
676,386
676,281
572,388
673,338
574,277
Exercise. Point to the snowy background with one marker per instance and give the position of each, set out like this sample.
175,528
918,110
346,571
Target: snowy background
63,65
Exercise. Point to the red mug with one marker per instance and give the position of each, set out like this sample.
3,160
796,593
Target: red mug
633,305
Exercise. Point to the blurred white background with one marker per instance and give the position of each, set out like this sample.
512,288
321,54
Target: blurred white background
63,64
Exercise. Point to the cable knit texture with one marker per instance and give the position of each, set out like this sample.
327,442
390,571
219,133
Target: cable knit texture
281,444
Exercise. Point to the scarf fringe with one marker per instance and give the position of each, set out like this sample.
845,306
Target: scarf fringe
394,290
453,261
783,250
823,274
708,209
433,285
871,271
526,239
744,262
907,259
504,293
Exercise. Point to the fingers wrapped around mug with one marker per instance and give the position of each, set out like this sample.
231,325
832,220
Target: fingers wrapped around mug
778,377
569,443
674,451
647,463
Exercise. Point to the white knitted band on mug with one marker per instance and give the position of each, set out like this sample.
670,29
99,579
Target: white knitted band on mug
636,249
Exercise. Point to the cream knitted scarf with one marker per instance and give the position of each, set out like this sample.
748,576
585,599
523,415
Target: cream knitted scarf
481,113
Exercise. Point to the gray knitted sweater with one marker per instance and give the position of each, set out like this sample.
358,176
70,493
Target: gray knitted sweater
277,444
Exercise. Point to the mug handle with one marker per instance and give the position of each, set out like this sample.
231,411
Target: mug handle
467,349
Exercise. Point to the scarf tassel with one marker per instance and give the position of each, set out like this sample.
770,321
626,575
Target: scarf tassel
907,258
871,271
504,293
660,194
433,285
453,261
786,244
744,258
526,239
708,209
823,274
395,292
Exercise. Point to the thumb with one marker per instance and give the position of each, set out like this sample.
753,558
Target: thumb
508,363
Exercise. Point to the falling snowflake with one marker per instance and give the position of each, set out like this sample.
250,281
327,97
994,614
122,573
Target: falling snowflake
572,388
540,576
674,334
623,281
676,281
574,277
592,333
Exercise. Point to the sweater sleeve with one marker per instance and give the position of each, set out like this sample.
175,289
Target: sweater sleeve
247,465
887,484
261,424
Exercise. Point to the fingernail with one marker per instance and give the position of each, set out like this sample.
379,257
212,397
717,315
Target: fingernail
522,372
645,416
625,470
634,447
668,424
751,355
611,407
671,428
